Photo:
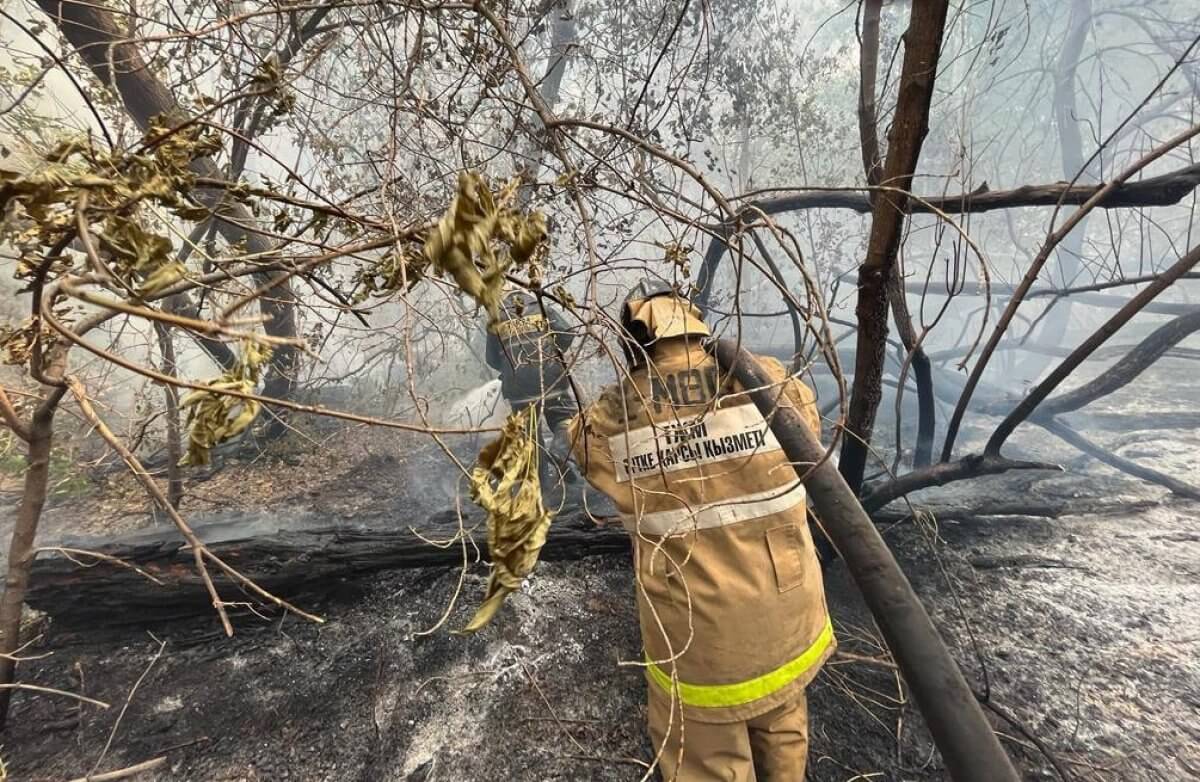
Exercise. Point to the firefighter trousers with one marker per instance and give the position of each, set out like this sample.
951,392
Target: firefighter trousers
772,747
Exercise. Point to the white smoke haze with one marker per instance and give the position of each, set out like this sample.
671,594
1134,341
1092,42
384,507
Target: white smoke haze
643,131
785,117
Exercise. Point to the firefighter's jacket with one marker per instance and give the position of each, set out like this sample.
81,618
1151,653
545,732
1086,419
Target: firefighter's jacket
525,345
729,590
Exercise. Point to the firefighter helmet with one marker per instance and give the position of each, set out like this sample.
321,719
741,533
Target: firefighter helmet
654,310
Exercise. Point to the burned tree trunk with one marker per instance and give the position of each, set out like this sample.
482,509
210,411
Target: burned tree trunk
309,558
922,45
872,168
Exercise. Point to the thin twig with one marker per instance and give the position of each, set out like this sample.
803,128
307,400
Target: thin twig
122,773
71,553
52,691
125,707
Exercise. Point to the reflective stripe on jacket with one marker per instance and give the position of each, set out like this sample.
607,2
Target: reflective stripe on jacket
730,597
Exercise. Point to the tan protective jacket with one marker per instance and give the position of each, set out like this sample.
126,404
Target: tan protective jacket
730,596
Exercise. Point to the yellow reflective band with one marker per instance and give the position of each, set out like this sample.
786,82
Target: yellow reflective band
713,696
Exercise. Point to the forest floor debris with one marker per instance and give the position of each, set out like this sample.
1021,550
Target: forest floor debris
1100,660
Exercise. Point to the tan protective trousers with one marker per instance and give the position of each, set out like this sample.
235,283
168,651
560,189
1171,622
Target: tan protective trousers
772,747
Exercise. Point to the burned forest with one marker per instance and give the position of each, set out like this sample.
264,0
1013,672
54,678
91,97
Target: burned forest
417,391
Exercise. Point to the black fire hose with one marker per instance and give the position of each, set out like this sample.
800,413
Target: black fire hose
969,747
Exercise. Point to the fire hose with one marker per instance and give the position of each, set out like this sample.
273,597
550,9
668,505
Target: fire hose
964,737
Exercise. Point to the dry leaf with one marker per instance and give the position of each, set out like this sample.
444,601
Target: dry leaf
505,483
214,417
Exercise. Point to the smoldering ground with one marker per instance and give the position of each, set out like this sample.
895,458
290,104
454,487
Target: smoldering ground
1076,619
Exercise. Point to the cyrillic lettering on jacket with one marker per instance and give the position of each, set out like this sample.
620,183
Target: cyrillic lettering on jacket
679,444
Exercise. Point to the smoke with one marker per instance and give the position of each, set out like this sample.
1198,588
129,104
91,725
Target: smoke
482,406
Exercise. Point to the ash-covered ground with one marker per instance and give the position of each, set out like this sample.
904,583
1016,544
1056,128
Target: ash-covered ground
1079,621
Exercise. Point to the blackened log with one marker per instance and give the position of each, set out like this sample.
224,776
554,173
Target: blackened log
308,562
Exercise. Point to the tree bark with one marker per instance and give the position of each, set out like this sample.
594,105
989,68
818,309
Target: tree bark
221,354
182,304
872,169
969,748
910,124
117,63
20,550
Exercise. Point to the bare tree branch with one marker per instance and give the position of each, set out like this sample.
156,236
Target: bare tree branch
1034,270
1043,389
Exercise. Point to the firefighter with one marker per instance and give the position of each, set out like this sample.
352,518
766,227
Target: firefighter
526,346
730,597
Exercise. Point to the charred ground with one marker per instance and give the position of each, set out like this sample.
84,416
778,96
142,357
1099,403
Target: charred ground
1076,617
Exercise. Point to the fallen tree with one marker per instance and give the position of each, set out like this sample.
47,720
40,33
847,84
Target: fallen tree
1163,190
148,577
